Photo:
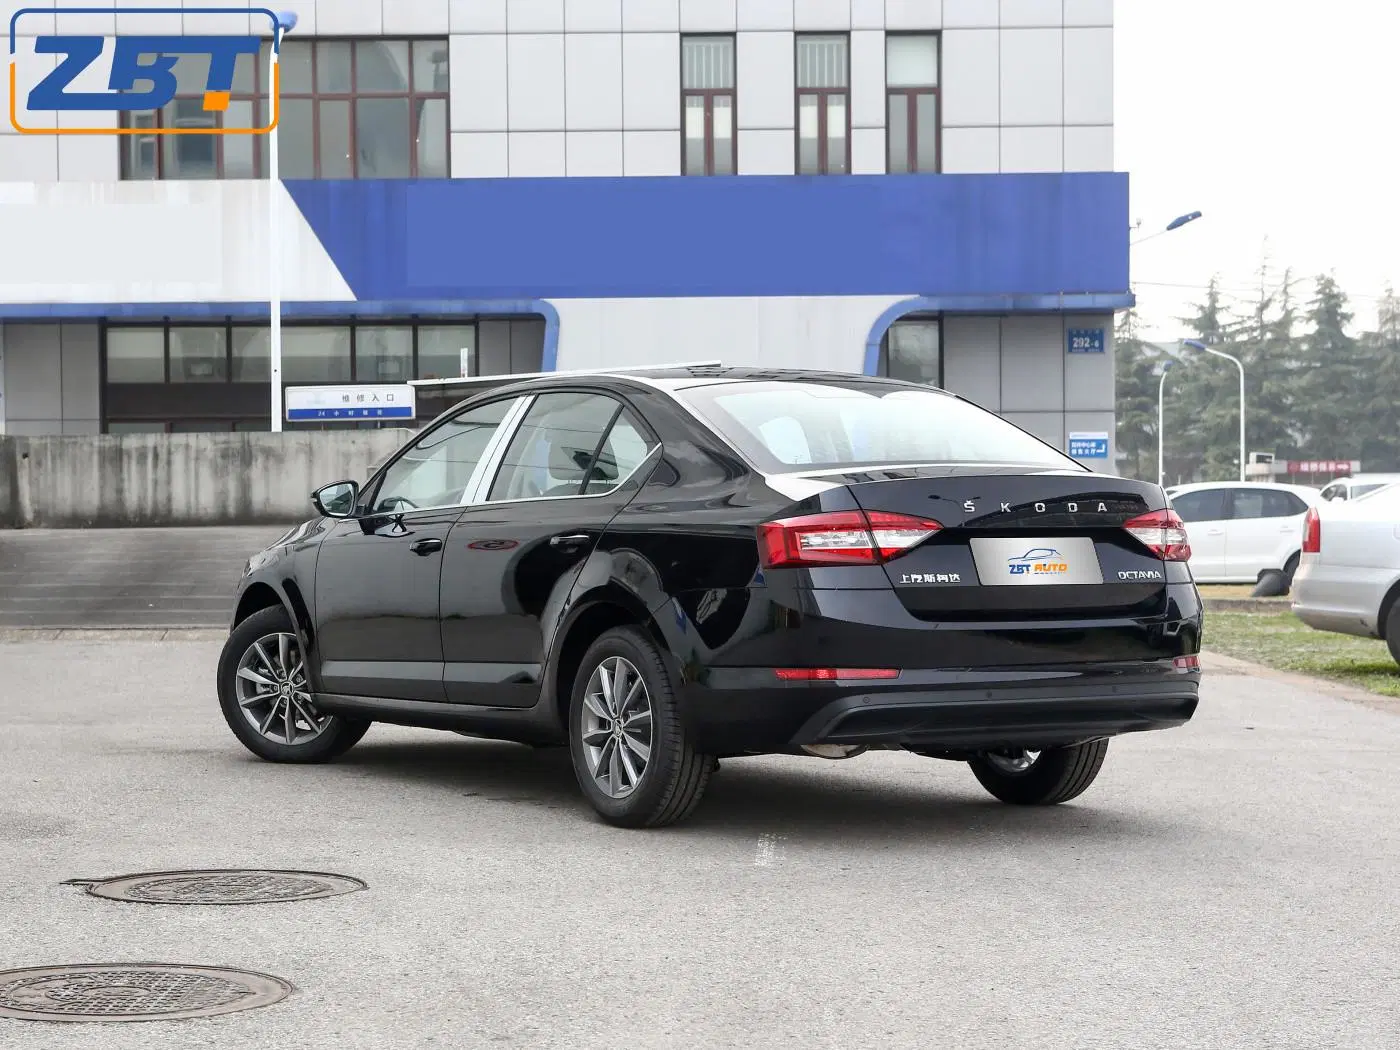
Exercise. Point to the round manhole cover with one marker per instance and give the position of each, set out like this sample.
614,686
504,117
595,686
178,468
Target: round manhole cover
222,887
133,992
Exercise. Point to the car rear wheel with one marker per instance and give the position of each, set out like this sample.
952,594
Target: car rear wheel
1392,631
266,697
631,753
1040,778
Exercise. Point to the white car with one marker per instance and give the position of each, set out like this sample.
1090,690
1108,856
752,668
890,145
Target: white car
1356,486
1240,530
1349,578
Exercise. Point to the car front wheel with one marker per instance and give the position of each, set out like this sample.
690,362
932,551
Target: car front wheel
1040,778
265,695
631,753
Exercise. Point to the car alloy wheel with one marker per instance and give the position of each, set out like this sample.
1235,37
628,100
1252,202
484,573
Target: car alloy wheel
1013,761
273,692
617,726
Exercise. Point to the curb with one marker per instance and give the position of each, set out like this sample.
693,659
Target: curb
112,634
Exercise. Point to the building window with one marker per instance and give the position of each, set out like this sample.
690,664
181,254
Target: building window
707,95
363,109
823,104
136,355
911,71
912,351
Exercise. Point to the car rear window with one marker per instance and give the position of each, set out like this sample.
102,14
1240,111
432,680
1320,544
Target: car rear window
812,426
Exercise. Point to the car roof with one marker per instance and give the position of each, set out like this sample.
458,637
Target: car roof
1205,486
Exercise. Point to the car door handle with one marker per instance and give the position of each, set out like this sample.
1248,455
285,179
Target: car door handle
577,539
425,547
1215,532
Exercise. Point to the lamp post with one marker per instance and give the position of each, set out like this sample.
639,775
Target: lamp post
1161,424
286,22
1175,224
1196,344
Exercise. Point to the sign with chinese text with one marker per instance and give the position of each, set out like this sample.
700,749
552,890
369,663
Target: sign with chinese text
309,404
1089,445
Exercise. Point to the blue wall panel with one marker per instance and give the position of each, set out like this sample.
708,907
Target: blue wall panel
930,235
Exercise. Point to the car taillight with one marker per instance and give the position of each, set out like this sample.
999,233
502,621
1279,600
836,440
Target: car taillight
844,537
1162,532
835,674
1312,532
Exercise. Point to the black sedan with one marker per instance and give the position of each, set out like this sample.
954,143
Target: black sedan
662,568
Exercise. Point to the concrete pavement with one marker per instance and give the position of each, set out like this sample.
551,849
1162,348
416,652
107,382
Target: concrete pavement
123,577
1227,884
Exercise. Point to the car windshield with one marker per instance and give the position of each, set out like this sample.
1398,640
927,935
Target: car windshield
782,426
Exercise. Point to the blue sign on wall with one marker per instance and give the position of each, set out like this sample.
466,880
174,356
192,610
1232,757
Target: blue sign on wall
1091,445
1085,340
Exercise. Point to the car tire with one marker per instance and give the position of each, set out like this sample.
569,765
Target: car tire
1290,569
1053,776
1392,631
262,655
632,753
1271,584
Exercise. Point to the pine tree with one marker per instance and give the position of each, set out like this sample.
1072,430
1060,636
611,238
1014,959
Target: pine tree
1332,386
1135,372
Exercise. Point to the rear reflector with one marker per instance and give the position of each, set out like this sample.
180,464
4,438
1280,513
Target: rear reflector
846,537
1186,663
1312,532
1163,533
834,674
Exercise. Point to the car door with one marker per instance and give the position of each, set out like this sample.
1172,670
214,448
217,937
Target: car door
1265,527
377,574
511,560
1204,512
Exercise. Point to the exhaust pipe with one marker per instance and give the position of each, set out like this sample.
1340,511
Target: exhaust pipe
835,752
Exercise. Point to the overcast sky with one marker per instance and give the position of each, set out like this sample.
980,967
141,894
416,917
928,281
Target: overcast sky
1278,119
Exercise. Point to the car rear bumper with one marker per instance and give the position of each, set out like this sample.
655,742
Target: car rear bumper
941,711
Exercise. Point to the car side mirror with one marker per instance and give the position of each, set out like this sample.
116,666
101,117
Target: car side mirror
337,500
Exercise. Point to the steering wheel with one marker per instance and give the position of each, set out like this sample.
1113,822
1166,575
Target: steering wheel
396,501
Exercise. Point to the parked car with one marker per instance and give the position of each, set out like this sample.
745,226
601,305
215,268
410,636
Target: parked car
1357,485
1242,529
666,567
1349,578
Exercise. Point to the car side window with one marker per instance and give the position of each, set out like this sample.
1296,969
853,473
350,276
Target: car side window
437,469
1283,505
1247,503
552,451
1332,492
1206,505
623,451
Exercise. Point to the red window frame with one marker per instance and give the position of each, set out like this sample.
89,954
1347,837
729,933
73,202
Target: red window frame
823,96
710,95
910,97
415,97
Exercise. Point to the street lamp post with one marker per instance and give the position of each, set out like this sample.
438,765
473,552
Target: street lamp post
1196,344
1161,425
286,22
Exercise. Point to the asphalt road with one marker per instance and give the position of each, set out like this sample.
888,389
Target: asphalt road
123,577
1231,884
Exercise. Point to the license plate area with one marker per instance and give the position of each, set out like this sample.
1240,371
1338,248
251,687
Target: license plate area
1016,562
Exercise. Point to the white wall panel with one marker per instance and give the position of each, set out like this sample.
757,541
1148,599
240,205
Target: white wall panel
531,16
651,153
1032,363
767,152
651,82
594,153
1032,13
537,154
480,154
868,153
413,17
765,14
1089,149
971,78
535,70
971,14
348,18
193,22
971,151
196,244
1032,149
819,16
787,332
31,24
1032,76
476,67
593,16
709,16
914,14
651,16
1088,12
972,359
103,24
478,16
767,96
28,158
84,158
593,78
870,14
868,90
1089,377
1088,76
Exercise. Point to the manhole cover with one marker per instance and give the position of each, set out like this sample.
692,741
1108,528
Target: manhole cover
221,887
133,992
